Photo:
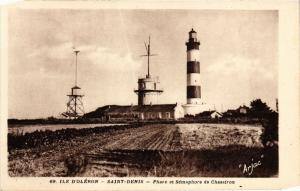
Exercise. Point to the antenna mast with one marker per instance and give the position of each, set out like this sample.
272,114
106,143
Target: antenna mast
148,56
76,53
148,53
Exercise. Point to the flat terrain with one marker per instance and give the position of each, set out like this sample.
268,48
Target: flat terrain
150,150
211,136
22,129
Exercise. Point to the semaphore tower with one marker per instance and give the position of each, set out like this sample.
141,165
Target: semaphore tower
148,87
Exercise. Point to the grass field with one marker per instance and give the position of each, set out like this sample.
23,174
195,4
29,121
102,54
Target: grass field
190,150
23,129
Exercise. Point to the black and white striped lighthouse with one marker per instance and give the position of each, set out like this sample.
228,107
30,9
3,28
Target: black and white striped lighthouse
193,69
193,90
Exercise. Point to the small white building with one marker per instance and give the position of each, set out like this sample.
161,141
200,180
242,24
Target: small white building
215,115
209,115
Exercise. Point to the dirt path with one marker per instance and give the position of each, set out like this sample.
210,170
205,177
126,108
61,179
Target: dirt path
152,137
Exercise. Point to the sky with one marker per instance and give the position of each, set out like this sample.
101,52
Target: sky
238,56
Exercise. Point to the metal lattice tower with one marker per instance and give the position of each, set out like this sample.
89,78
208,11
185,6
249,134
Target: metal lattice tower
75,107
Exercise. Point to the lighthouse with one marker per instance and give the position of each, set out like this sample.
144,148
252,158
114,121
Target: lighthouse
194,103
148,87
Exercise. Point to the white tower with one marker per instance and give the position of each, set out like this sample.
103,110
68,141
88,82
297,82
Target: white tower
194,103
148,88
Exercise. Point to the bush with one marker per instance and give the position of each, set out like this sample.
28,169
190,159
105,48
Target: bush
270,125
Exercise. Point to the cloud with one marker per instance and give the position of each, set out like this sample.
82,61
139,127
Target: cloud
57,51
54,57
232,80
241,67
109,60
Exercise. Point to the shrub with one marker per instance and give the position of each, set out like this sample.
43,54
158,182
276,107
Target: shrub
270,131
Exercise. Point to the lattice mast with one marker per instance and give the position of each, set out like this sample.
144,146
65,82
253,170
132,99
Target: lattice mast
75,107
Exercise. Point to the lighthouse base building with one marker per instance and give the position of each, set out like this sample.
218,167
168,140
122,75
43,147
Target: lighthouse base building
193,109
